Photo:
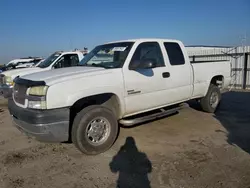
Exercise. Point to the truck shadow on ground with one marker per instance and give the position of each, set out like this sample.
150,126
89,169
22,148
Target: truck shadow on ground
132,165
234,115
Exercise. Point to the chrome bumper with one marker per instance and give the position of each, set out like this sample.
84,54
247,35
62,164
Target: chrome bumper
6,91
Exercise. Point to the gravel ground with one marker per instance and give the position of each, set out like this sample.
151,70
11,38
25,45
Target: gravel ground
191,149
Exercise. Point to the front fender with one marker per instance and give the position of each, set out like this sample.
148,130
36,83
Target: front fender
67,98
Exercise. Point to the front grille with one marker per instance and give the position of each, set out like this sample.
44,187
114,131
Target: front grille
20,93
1,79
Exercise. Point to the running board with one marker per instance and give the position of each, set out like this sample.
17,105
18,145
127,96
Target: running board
131,122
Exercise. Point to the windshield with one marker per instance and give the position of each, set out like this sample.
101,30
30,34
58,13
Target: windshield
47,62
108,55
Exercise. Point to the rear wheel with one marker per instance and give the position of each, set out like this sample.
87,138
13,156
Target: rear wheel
210,102
94,130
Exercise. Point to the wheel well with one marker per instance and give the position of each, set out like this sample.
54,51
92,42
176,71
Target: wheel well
108,100
218,81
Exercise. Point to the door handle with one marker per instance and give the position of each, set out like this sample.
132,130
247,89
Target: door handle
166,75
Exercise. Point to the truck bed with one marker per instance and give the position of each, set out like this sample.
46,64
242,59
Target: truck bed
203,71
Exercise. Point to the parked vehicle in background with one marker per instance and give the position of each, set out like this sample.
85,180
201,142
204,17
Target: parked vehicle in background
20,63
129,82
32,63
54,61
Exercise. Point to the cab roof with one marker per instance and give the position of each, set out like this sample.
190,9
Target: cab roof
146,40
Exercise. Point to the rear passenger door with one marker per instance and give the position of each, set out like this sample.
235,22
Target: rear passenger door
179,84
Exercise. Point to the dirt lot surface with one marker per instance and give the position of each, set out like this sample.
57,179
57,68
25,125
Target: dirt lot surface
191,149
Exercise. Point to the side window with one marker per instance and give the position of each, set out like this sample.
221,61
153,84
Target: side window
74,60
19,63
59,63
22,62
68,60
147,50
35,61
175,54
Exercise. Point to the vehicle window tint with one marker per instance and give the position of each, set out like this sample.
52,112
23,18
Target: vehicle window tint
147,50
74,60
175,54
19,63
36,61
68,60
22,62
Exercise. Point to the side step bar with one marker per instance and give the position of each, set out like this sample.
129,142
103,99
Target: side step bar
131,122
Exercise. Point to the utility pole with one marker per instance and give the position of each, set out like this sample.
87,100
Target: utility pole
243,42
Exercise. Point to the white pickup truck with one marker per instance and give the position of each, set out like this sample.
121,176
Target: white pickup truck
54,61
126,82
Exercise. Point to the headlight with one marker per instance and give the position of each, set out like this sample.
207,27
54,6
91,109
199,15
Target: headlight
38,90
37,97
8,80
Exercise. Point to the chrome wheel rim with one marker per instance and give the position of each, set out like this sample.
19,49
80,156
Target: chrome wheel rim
214,99
98,131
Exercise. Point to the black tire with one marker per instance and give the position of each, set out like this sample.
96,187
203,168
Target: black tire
205,101
80,124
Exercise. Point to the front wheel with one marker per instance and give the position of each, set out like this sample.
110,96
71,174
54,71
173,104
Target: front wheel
210,102
94,130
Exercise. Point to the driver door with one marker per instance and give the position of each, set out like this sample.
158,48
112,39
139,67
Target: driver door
145,88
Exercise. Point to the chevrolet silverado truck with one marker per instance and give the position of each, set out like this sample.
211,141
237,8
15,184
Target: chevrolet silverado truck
117,84
54,61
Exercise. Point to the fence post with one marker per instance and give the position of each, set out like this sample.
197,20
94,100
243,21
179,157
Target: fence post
245,71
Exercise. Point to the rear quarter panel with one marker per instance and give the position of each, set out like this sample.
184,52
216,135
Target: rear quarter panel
204,72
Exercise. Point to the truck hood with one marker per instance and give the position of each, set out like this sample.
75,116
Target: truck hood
20,72
63,74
